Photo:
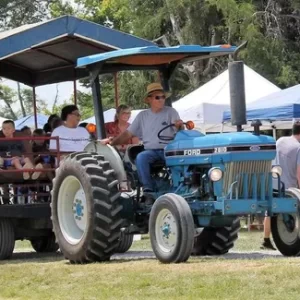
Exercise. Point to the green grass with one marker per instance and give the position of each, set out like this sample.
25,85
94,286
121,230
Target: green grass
32,276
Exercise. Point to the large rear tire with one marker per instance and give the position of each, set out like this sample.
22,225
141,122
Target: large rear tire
171,228
286,228
86,209
7,239
45,244
216,241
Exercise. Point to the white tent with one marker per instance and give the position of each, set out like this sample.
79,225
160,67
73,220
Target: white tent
205,105
109,116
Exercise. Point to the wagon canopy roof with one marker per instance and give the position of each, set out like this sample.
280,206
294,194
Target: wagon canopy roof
47,52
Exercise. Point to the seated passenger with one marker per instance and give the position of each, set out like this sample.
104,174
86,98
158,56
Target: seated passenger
71,137
42,156
14,150
147,125
48,128
56,122
26,131
41,148
113,129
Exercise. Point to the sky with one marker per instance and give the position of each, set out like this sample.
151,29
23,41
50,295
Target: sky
48,92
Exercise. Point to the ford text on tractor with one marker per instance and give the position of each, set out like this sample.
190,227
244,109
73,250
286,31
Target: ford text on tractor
205,184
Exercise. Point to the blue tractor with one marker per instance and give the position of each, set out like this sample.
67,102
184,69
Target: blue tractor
205,184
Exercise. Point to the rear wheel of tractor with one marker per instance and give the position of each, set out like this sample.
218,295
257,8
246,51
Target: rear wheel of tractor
216,241
171,228
7,239
286,228
45,244
125,242
85,208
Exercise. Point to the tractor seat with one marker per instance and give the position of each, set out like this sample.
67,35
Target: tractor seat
157,166
132,153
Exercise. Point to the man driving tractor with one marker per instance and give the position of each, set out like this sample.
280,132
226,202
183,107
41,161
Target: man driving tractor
146,126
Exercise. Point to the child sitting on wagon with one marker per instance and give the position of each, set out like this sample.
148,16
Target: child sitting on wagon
11,152
41,148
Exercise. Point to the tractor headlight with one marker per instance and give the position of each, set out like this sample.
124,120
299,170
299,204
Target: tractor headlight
215,174
276,170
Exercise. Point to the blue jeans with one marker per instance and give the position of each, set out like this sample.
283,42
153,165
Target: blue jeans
143,162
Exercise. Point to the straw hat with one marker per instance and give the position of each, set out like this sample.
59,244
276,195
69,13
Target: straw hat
153,87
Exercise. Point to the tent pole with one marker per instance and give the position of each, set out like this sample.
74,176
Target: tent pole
222,128
116,90
75,92
274,133
34,107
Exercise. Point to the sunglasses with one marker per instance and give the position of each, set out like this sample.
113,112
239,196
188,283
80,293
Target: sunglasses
158,97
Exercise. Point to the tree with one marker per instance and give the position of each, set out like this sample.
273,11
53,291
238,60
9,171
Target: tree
14,13
7,99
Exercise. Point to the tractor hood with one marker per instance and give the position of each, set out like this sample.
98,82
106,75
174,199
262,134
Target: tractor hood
195,148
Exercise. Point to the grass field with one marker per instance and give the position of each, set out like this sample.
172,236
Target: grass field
242,275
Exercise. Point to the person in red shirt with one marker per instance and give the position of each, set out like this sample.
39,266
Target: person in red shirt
113,129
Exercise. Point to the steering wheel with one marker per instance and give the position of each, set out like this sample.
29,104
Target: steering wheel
189,126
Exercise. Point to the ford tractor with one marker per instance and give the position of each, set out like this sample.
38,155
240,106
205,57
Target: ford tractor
204,185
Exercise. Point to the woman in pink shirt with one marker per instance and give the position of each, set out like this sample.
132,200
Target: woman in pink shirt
120,125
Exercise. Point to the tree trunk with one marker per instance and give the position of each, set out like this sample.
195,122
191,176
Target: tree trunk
10,109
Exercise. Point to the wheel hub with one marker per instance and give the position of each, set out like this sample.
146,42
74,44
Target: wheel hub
288,228
72,210
79,209
166,231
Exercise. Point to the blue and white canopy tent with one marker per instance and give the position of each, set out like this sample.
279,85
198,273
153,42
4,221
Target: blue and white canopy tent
276,111
30,121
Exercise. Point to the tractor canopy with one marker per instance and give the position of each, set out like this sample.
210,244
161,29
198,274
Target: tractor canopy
151,57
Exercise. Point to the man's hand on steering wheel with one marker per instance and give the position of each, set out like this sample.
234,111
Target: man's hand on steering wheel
178,124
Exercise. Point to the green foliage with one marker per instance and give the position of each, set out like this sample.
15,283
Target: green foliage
15,13
272,29
59,8
56,109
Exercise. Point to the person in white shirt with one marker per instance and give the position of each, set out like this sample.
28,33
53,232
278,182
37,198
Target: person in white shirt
72,138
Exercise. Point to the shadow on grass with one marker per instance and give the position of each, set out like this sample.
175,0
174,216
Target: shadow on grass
33,257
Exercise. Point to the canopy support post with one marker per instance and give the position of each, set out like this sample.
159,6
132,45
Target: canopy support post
34,107
99,116
164,78
116,90
75,92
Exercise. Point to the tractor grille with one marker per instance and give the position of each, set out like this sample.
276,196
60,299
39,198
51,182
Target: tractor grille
252,172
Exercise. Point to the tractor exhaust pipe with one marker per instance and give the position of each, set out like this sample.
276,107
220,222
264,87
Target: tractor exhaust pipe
237,94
